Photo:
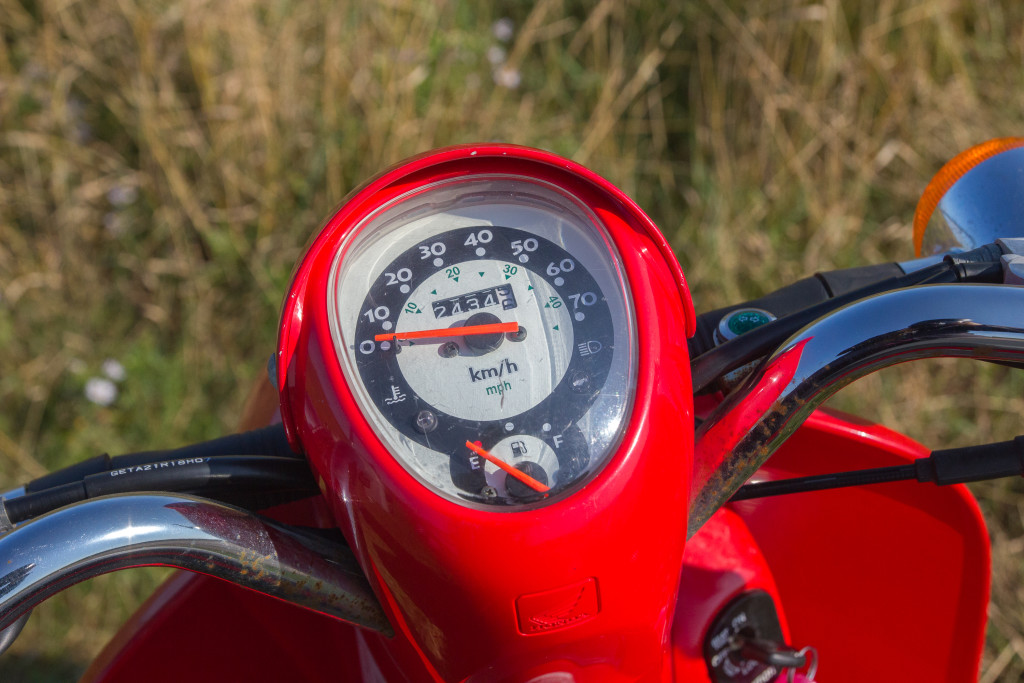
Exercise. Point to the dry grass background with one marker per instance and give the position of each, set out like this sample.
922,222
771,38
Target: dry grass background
162,164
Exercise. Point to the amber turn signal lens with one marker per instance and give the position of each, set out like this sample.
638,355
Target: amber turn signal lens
947,176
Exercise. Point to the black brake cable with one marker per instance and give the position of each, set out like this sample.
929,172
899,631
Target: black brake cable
270,440
252,481
945,467
255,469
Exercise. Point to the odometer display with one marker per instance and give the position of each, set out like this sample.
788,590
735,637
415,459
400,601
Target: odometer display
469,303
413,307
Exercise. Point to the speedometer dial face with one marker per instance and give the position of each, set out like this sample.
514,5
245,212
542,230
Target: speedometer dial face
486,329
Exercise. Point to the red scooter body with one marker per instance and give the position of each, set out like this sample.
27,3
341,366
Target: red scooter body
888,582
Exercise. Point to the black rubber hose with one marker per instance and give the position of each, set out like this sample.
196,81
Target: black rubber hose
69,474
270,441
824,482
234,479
951,466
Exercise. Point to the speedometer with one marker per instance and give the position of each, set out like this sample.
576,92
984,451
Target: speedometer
483,356
486,329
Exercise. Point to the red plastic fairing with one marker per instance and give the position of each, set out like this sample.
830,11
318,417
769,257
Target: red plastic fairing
450,576
890,582
722,560
196,628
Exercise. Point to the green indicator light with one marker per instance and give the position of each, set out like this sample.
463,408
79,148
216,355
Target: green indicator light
743,321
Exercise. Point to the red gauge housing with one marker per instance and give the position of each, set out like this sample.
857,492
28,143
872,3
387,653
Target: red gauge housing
584,585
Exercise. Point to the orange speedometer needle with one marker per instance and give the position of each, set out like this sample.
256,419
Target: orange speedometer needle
517,473
495,328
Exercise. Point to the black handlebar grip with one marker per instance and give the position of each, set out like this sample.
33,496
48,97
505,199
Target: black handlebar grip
795,297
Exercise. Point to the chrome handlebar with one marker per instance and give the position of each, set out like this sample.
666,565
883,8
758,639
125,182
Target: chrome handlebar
46,555
984,322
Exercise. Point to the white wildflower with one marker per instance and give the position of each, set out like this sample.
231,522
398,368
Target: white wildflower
114,224
503,29
101,391
496,54
123,195
507,77
114,370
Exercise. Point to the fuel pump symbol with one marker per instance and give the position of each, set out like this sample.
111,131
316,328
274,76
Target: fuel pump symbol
518,449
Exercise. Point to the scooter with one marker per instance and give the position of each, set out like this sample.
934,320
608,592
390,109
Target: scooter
502,446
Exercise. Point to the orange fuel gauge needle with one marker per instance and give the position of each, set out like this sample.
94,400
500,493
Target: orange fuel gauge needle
517,473
494,328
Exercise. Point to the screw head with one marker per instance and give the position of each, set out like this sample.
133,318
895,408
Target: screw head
489,492
449,350
580,382
517,336
426,421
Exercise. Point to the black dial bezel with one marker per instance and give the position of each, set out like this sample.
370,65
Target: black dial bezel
570,400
